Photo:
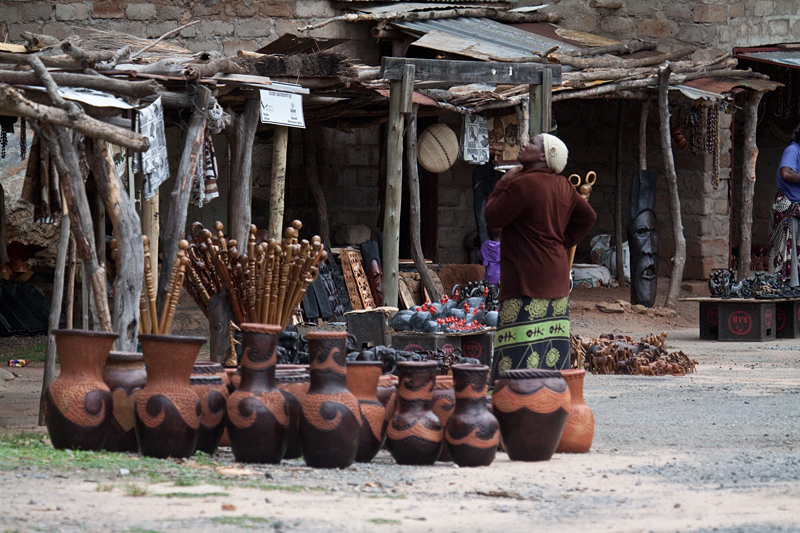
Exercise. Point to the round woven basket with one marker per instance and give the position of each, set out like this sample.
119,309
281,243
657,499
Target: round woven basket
437,148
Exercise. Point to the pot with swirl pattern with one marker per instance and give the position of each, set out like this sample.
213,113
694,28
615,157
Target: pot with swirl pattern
531,406
472,432
168,411
78,407
208,381
362,381
415,434
579,427
257,414
330,421
293,382
125,376
444,401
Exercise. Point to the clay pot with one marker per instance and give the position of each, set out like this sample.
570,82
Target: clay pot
257,414
77,405
20,270
167,409
386,388
330,420
362,381
125,376
444,401
472,433
5,272
293,382
234,378
579,427
415,434
531,406
208,381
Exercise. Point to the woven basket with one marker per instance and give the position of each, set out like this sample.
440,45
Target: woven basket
437,148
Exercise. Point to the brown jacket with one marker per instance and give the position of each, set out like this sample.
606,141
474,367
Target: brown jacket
541,216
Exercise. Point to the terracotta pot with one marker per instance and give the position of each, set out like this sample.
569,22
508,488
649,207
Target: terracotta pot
167,409
293,382
444,401
77,405
472,433
125,376
386,388
579,427
362,381
208,380
330,421
257,414
531,406
234,378
20,270
5,272
415,435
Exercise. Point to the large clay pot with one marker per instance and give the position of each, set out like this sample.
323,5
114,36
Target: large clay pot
531,406
472,433
362,381
257,414
125,376
415,435
330,420
444,401
77,405
208,381
293,382
579,427
167,409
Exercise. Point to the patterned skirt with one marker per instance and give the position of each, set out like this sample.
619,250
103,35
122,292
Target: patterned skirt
781,239
531,333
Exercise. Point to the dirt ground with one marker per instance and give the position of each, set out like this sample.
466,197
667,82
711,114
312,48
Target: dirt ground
712,451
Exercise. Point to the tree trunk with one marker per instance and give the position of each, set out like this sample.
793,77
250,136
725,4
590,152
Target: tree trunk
679,257
240,135
748,182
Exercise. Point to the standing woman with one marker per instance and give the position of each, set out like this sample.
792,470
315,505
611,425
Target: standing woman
541,216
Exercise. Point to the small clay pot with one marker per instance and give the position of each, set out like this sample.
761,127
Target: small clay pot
257,413
168,411
20,270
208,380
444,401
472,432
386,388
531,406
415,434
362,381
77,405
579,427
125,376
330,421
293,382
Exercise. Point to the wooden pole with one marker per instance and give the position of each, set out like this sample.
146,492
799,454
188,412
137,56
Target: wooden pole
99,222
175,227
414,206
748,182
85,295
394,185
130,252
151,226
643,134
277,188
70,284
240,135
620,193
679,257
310,143
55,311
540,101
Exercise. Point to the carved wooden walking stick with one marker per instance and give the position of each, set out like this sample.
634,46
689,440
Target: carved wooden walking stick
183,245
179,278
150,284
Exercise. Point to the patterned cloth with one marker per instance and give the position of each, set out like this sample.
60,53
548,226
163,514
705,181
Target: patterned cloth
531,333
780,240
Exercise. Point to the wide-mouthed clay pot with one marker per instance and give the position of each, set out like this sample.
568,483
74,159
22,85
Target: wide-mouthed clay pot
362,381
208,380
125,376
472,432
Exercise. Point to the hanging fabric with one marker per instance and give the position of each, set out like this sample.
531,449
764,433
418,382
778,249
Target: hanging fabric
204,185
152,163
41,186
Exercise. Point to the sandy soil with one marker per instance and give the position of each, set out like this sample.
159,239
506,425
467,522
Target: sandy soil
717,450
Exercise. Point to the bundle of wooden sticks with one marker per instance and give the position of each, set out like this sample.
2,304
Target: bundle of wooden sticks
263,285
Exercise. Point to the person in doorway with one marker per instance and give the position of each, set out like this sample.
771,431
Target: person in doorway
541,216
489,255
786,206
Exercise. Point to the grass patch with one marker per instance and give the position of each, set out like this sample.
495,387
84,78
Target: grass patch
384,521
104,488
245,521
135,490
192,494
33,353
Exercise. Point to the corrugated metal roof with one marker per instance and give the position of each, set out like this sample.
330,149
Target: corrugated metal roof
482,39
788,58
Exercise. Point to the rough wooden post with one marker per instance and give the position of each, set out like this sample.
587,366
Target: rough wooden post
619,219
540,101
748,182
310,141
55,311
70,296
175,227
99,222
643,134
277,187
130,252
394,186
240,135
679,257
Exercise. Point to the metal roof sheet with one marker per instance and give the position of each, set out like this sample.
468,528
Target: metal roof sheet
788,58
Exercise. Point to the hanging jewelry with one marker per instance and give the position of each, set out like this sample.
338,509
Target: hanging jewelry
712,141
23,140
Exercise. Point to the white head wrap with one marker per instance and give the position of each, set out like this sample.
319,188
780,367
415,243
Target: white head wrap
555,152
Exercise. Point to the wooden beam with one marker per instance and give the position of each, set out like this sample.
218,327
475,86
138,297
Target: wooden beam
175,227
134,89
277,186
748,182
547,101
240,135
469,71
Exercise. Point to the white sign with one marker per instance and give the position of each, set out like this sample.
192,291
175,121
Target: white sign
285,109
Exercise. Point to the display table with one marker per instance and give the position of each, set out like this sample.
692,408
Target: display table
748,319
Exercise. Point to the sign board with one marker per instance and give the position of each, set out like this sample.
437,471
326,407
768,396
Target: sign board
283,109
